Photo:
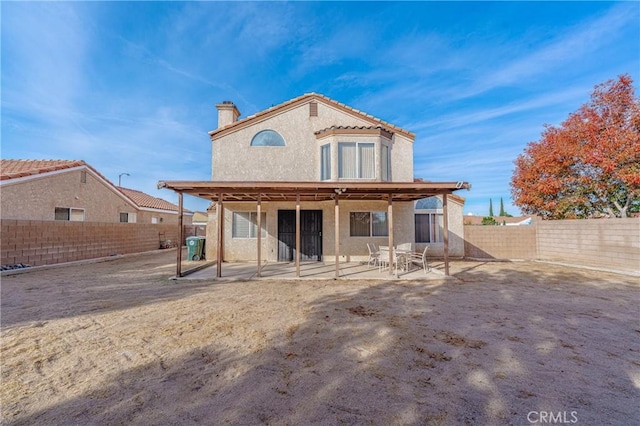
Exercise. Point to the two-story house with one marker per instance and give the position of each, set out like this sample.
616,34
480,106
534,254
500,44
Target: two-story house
314,179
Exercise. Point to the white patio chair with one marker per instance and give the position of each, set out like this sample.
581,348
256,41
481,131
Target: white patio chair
383,259
405,247
404,252
374,255
421,259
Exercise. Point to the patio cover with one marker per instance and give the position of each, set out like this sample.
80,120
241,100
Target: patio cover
257,192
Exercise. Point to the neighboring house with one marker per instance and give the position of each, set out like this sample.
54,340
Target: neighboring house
501,220
153,209
334,164
200,218
72,190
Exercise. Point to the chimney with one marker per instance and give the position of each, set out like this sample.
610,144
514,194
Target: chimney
227,113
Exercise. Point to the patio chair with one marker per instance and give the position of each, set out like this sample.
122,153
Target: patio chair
405,247
374,255
421,259
383,259
404,252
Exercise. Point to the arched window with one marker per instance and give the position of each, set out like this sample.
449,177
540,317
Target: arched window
431,203
267,138
429,221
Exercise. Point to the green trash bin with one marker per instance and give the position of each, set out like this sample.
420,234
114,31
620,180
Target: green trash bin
195,246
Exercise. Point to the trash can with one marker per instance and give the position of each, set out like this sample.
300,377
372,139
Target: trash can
195,246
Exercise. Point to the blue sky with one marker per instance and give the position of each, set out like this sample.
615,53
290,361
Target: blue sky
132,86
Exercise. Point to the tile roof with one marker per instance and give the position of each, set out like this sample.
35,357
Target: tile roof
10,169
355,129
148,201
301,100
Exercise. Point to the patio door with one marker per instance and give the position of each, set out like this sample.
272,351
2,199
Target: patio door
310,235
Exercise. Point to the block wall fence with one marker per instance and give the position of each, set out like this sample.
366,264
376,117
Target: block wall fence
598,243
35,242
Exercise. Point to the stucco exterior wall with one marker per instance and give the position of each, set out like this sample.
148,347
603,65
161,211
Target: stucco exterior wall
351,248
36,199
235,160
171,218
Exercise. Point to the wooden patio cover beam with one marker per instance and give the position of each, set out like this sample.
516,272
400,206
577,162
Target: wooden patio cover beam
313,191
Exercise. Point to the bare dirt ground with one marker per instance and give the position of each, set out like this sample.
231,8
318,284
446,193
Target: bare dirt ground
120,343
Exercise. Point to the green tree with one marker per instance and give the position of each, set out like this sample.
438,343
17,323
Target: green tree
489,220
490,207
501,207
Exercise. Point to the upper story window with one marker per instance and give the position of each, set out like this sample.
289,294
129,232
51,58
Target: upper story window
385,162
356,160
325,162
267,138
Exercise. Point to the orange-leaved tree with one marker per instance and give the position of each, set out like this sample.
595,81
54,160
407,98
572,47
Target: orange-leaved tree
589,166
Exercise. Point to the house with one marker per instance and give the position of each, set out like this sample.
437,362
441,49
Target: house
320,180
72,190
200,218
153,209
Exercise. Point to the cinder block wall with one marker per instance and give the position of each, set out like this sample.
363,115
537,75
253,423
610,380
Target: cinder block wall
602,243
599,243
37,242
500,242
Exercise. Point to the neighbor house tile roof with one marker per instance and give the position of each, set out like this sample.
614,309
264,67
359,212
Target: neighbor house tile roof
10,169
301,100
148,201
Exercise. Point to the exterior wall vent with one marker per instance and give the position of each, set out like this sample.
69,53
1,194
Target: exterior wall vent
313,109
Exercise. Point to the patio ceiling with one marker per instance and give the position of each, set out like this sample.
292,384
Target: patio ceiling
312,191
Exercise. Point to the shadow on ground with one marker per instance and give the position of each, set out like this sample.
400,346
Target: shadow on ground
492,348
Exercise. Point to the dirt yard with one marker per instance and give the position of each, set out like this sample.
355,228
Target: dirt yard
118,342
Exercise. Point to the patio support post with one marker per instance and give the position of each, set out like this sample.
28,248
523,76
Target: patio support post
298,235
445,218
390,224
180,237
220,242
259,219
337,235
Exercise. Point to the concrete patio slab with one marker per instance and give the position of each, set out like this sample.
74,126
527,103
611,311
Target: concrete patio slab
309,270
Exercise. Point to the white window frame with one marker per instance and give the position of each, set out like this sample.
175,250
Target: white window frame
70,214
358,160
131,217
252,218
385,166
371,227
325,167
436,226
